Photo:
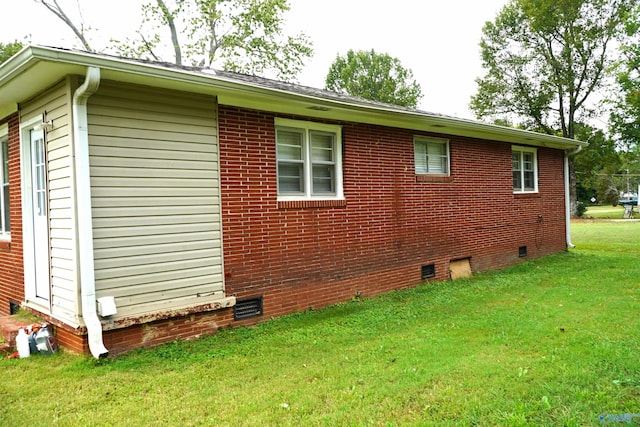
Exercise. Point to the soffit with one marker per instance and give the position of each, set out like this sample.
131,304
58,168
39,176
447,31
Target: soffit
37,68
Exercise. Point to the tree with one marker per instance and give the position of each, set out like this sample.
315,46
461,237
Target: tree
236,35
7,50
596,165
545,59
378,77
625,116
58,11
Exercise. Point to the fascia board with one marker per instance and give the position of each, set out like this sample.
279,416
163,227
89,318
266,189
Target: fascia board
309,107
51,64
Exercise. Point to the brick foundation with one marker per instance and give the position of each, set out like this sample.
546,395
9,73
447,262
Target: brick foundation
146,335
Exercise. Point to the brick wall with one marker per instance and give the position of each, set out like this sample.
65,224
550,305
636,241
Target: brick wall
301,255
11,264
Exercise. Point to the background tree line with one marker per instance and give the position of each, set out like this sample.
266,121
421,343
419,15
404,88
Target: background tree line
558,67
551,66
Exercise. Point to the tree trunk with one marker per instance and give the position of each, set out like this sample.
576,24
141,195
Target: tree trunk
573,196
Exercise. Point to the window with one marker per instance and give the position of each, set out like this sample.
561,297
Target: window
525,170
5,225
309,159
431,155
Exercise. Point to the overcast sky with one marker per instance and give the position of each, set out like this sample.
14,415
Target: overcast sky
437,40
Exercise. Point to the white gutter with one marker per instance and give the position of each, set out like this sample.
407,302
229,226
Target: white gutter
83,203
252,94
567,194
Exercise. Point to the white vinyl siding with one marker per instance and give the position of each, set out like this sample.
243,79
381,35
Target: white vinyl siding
155,198
60,197
5,220
309,157
431,155
525,169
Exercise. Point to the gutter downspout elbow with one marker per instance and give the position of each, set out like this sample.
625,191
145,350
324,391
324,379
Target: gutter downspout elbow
83,206
567,194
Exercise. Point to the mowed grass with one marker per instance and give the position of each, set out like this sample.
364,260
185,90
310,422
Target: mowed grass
554,341
605,212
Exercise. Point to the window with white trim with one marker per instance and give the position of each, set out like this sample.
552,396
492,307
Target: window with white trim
431,155
309,157
524,162
5,225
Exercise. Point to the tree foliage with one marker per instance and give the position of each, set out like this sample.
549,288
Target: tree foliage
625,116
597,165
236,35
545,59
7,50
374,76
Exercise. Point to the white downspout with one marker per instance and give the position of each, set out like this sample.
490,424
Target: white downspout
567,194
83,203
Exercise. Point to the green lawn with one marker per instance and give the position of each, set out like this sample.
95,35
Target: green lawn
554,341
605,212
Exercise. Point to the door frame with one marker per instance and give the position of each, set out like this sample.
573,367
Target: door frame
28,214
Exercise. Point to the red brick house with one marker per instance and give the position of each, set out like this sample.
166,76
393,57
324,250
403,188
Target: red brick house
144,202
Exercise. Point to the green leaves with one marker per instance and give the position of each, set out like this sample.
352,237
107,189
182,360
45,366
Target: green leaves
373,76
544,60
625,119
236,35
7,50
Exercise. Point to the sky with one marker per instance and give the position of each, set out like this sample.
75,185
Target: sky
437,40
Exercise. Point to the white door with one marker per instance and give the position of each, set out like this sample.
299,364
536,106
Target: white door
38,190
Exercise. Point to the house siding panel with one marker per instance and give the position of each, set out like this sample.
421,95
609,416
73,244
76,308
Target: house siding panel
155,198
56,102
391,224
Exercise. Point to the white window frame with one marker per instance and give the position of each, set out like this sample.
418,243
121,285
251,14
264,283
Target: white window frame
306,127
4,139
426,141
521,151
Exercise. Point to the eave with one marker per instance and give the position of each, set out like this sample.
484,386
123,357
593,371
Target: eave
36,68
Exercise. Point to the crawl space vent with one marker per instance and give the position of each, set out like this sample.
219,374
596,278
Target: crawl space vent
14,307
428,271
522,251
250,307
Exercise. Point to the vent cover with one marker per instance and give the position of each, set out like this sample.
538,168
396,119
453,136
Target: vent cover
522,251
428,271
250,307
460,268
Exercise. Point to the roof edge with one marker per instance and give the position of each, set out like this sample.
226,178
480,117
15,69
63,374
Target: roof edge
31,55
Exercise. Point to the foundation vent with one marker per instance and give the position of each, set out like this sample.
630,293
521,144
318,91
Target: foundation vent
250,307
428,271
14,307
522,251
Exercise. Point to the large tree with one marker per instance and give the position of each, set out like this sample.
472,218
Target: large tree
545,61
625,117
236,35
374,76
